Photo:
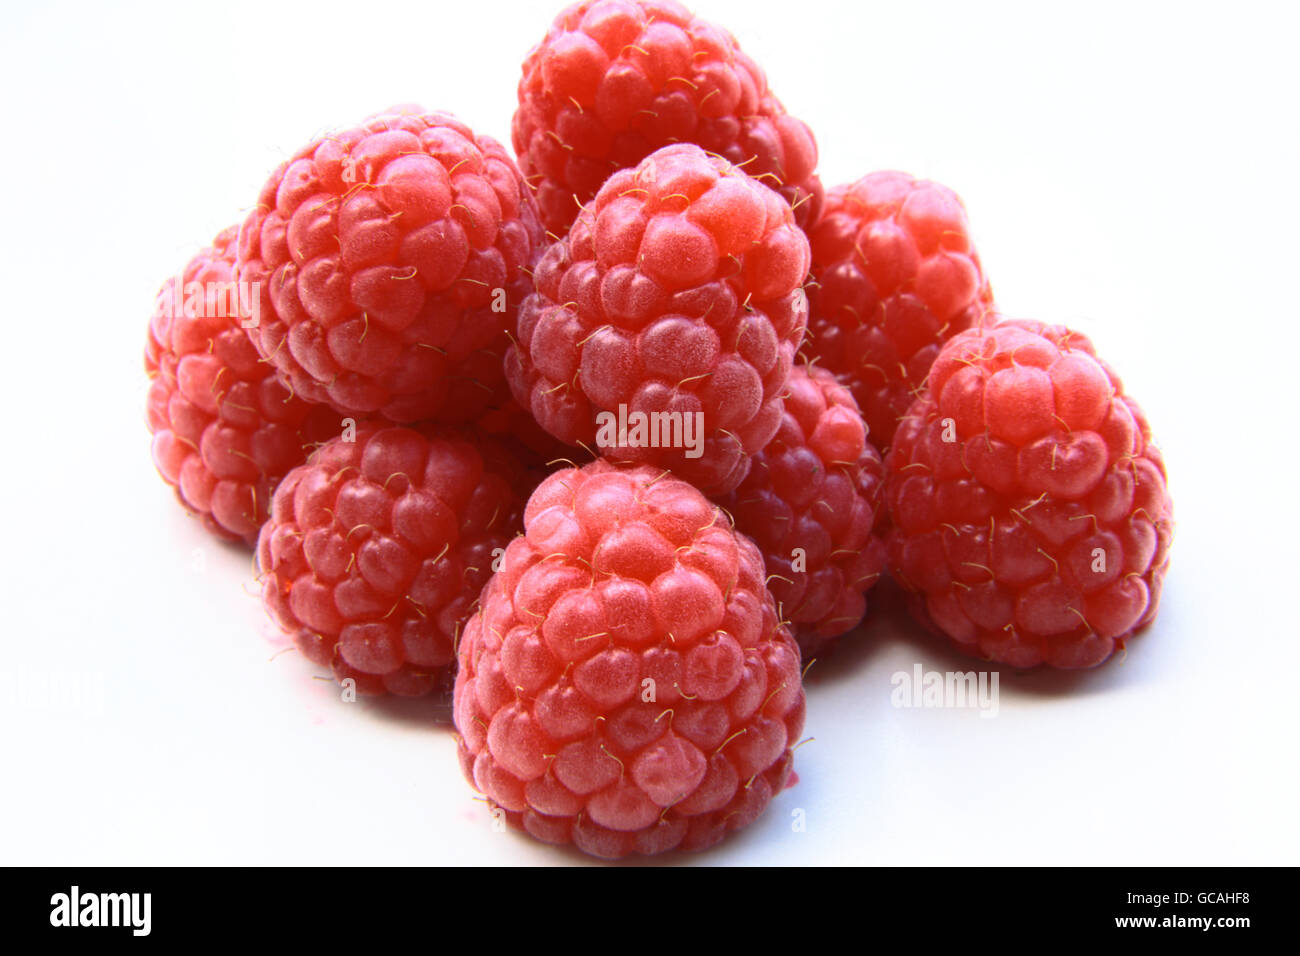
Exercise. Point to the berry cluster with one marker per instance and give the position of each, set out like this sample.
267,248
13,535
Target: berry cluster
618,484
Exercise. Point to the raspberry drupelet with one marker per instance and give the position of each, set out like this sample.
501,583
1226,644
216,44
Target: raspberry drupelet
378,547
225,431
810,503
626,684
676,296
1029,506
391,258
614,80
894,276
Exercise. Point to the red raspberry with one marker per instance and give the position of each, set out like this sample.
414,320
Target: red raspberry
894,277
816,488
392,258
626,684
614,80
225,431
677,292
377,548
1029,506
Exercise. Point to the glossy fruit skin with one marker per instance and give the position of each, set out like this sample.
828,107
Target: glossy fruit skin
225,431
391,258
677,292
1030,510
378,546
894,276
810,503
614,80
626,685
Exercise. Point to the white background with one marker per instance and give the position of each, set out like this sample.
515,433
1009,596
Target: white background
1129,169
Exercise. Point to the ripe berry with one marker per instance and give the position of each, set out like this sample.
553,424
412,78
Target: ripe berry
378,546
392,258
614,80
225,431
810,503
626,685
1029,505
894,276
676,293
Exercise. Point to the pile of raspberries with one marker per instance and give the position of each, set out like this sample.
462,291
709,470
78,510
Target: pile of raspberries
618,434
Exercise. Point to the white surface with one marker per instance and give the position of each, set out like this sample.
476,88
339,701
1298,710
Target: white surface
1130,170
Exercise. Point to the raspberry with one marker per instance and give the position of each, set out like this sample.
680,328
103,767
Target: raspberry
391,258
225,431
810,502
894,277
676,295
626,685
377,548
1029,505
614,80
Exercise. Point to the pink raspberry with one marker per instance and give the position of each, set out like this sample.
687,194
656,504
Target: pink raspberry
676,297
894,277
225,431
1029,505
392,258
377,548
626,685
810,503
614,80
